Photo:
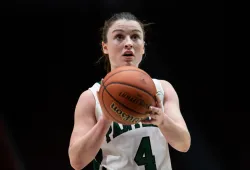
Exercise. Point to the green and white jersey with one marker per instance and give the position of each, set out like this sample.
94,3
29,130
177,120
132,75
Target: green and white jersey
132,147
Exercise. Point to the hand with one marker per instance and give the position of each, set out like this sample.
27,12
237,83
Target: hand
105,119
157,114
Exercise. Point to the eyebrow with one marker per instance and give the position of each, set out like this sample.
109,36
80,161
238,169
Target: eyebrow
117,30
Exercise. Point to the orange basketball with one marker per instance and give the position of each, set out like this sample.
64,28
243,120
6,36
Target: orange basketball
125,95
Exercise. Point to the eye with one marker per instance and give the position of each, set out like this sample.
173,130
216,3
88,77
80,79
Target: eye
135,37
119,37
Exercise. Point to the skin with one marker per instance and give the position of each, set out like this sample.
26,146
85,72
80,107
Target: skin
88,133
128,35
124,35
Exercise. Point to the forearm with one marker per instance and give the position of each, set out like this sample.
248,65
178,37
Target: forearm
176,135
83,151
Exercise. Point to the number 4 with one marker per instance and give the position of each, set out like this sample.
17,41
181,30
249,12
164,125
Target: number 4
144,155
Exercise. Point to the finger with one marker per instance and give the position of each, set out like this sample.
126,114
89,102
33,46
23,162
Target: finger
155,110
146,121
152,121
153,116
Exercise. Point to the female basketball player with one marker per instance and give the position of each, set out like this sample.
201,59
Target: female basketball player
112,146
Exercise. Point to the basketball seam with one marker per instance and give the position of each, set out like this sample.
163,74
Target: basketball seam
104,88
121,103
109,113
105,106
123,71
131,86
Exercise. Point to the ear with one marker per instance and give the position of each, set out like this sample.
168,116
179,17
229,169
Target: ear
104,48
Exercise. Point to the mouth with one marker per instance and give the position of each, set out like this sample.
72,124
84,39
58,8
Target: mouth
128,58
128,54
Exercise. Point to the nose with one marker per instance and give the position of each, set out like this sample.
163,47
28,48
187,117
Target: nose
128,43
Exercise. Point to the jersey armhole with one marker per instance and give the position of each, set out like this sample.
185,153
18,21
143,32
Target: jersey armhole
159,88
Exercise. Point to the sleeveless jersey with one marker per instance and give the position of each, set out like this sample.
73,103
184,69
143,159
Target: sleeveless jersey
132,147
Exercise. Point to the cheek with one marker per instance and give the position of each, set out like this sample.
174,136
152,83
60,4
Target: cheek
141,47
115,46
140,43
114,50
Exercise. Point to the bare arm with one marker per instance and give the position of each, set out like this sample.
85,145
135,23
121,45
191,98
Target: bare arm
174,127
88,134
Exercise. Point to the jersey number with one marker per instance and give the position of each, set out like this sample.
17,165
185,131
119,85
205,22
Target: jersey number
144,155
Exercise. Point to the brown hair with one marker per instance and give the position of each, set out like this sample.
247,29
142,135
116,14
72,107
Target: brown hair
108,23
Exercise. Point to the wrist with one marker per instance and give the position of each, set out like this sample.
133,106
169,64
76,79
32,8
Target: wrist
105,121
164,121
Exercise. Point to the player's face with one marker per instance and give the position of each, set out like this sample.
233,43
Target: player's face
125,43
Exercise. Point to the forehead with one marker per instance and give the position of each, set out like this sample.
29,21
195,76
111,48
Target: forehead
125,25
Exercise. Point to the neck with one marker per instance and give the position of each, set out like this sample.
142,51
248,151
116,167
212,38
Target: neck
114,67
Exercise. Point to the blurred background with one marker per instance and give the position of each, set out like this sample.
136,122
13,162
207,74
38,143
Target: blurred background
49,55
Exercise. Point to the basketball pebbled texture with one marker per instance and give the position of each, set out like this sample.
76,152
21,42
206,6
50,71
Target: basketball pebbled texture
125,95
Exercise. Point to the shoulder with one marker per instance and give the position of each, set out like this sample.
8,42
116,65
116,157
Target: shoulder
165,84
87,94
85,108
169,90
90,94
86,98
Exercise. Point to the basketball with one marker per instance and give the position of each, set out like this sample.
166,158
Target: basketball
125,95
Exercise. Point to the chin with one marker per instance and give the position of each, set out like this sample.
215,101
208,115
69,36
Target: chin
129,64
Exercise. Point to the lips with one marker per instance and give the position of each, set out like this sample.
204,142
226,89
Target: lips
128,53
